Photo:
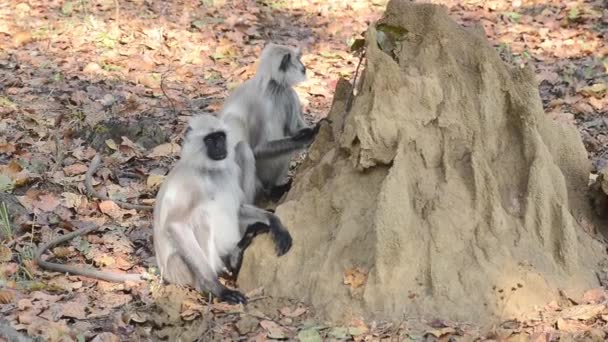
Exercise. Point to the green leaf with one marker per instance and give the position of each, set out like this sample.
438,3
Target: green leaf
339,332
574,13
84,246
513,16
356,331
199,24
309,335
6,184
67,8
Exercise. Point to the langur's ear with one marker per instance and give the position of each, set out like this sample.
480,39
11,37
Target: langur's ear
285,62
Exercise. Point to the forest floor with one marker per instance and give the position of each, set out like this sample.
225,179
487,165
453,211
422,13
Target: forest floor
122,78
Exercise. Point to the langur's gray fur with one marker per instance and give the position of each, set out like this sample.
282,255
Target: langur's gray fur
201,216
265,112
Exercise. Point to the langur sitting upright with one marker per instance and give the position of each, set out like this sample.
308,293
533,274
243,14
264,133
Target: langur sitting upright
201,220
265,113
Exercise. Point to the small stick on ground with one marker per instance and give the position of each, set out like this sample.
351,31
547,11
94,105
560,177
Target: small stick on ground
162,88
349,102
59,155
96,274
88,182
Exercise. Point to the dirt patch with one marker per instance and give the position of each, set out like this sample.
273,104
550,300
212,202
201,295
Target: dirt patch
447,180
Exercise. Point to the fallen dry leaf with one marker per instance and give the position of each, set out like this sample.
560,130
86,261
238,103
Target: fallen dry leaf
287,312
191,309
6,254
164,150
75,309
355,277
75,169
597,90
22,38
570,325
72,200
111,209
595,296
583,312
62,252
6,296
154,181
274,330
106,337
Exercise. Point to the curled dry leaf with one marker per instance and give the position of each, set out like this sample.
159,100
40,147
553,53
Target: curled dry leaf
72,200
570,325
287,312
6,296
583,312
6,254
355,277
190,309
75,169
154,181
595,296
165,150
597,90
76,308
106,337
111,209
62,252
274,330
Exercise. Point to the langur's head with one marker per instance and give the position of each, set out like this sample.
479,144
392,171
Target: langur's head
283,64
206,143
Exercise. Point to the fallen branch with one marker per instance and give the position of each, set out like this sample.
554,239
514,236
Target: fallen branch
96,274
88,182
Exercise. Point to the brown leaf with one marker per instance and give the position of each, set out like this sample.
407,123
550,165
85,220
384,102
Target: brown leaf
92,68
597,90
76,309
104,260
570,325
154,181
7,148
62,252
75,169
164,150
111,209
190,309
441,332
595,296
274,330
6,254
22,38
583,312
72,200
355,277
6,296
287,312
106,337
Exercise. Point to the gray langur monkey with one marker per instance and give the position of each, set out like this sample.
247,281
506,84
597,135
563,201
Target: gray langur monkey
202,223
265,112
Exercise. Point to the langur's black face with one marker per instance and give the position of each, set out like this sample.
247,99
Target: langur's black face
216,145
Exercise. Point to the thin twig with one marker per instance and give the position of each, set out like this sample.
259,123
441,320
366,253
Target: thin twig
351,94
349,102
162,88
58,154
88,182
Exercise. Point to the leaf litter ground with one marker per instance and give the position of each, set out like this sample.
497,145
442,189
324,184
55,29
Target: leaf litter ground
74,72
